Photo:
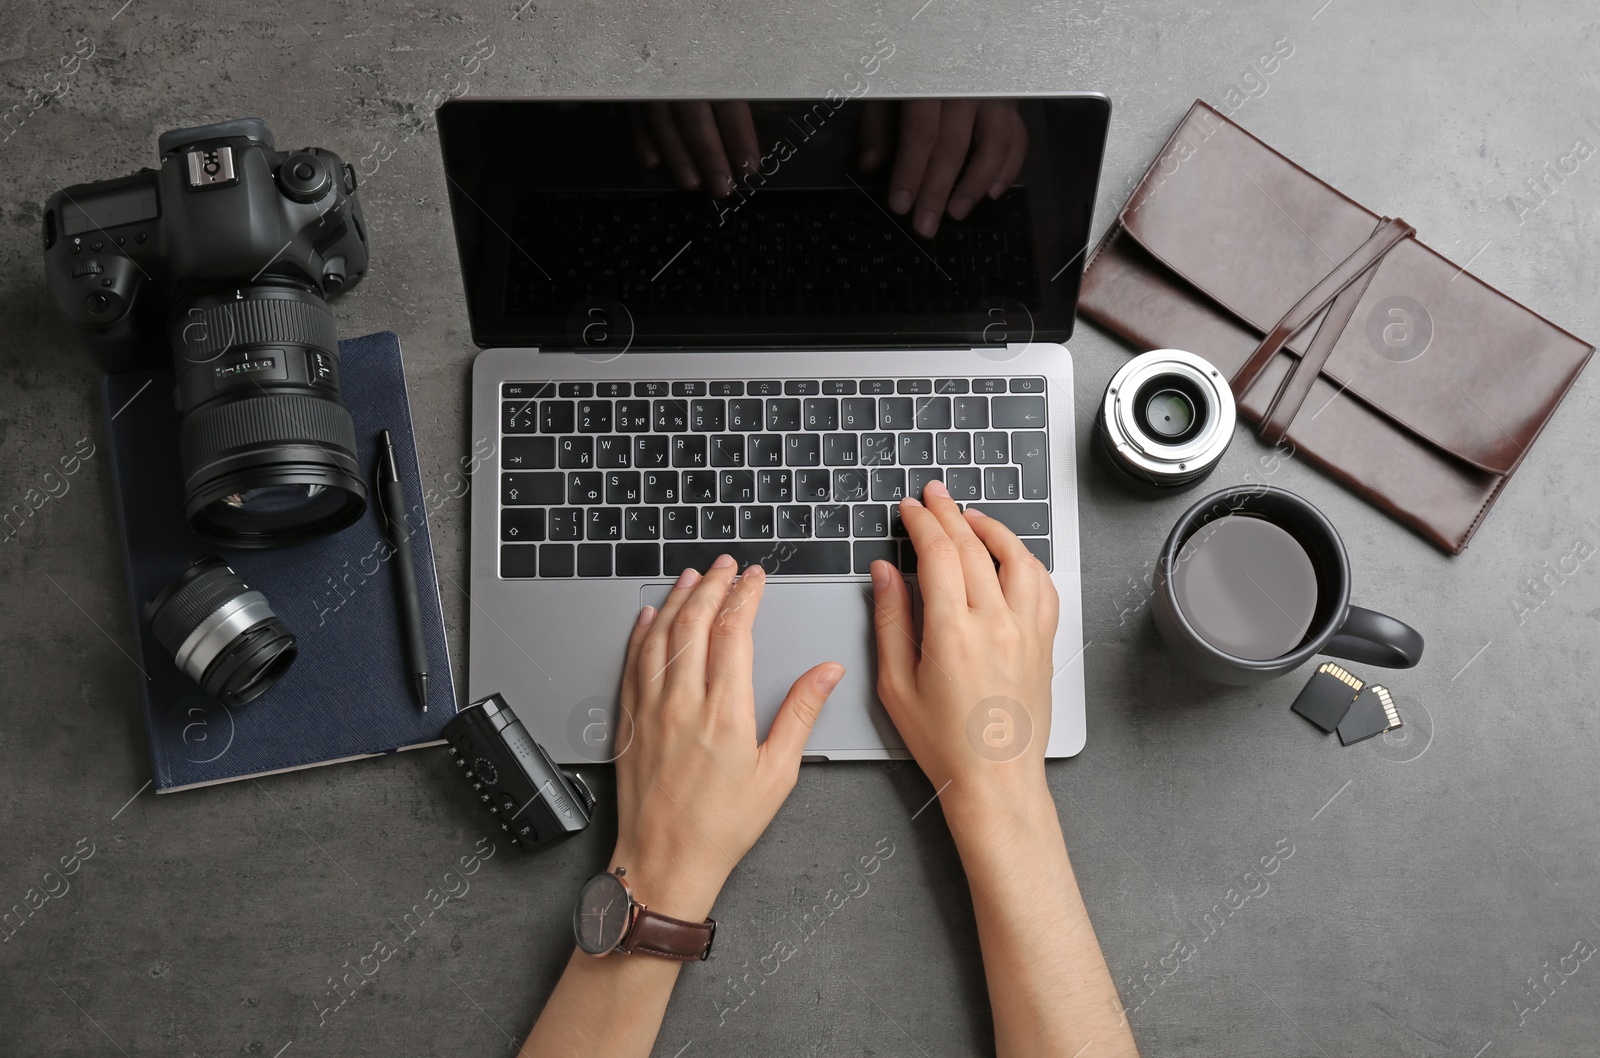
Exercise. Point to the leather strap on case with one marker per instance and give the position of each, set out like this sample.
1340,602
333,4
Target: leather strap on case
1343,287
670,938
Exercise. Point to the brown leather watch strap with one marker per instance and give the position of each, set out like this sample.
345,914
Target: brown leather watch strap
668,937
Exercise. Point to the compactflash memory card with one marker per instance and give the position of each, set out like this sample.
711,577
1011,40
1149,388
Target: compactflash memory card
1372,713
1328,696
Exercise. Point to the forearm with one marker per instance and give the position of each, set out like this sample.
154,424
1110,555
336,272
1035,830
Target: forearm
1049,987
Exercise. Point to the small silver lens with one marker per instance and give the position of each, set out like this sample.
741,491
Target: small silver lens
1165,420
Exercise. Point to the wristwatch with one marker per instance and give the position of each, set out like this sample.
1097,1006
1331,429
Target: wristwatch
609,919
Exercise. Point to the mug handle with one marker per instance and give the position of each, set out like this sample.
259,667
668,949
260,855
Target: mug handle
1374,638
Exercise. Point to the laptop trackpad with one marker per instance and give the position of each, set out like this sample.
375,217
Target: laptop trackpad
801,625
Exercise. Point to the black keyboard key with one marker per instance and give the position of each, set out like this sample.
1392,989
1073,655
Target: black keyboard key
988,385
669,416
765,388
709,415
766,450
990,448
954,448
839,387
699,486
933,413
877,449
688,389
1027,385
794,523
877,385
556,416
914,385
650,451
623,486
522,525
802,449
716,523
661,486
888,485
653,389
774,486
1024,519
528,453
519,416
1001,483
519,560
971,413
736,486
680,523
800,387
812,486
594,560
527,488
804,558
727,389
849,485
896,413
613,389
1040,548
869,519
604,523
585,487
908,557
525,390
755,523
576,389
916,449
964,483
689,450
611,452
821,413
869,551
897,527
594,416
831,520
1028,451
783,414
839,450
917,480
633,416
859,413
638,560
556,560
727,450
566,523
951,385
1017,413
575,453
746,415
642,523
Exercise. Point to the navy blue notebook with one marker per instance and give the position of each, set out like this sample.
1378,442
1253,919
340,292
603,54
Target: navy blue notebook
348,693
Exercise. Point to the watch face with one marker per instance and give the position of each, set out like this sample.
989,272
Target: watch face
603,914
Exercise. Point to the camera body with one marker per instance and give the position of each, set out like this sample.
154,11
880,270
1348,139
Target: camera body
224,209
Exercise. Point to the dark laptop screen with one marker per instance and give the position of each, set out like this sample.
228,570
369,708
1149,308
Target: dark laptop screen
772,223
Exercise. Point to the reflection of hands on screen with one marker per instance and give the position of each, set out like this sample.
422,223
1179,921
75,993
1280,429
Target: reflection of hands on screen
702,144
951,152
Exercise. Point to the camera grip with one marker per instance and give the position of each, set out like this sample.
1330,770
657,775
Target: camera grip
1374,638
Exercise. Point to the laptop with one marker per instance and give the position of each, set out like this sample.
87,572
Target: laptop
713,326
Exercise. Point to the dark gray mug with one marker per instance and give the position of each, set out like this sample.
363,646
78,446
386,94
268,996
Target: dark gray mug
1337,628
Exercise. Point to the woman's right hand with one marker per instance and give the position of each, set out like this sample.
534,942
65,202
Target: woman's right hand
972,698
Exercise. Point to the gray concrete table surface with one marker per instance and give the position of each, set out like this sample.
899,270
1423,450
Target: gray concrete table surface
1427,885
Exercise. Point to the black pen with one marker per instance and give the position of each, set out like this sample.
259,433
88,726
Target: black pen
391,508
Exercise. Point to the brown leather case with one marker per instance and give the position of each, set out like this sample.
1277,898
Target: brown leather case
1317,309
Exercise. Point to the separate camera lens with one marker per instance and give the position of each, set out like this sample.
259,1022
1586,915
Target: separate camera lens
268,447
1165,420
220,633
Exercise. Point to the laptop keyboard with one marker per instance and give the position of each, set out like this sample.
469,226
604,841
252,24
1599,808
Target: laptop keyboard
803,476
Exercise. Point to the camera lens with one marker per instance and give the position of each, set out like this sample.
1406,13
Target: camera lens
220,633
268,446
1165,421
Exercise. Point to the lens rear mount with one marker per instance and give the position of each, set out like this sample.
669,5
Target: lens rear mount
1165,421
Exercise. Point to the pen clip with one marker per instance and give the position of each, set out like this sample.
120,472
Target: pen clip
377,486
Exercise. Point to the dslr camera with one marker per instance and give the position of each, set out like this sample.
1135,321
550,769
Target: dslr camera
229,250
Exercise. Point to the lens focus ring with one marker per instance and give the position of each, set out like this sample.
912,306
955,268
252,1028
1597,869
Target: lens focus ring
205,332
276,419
